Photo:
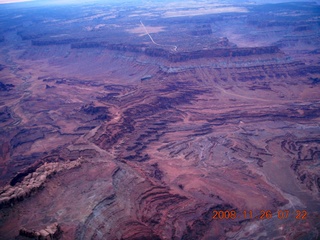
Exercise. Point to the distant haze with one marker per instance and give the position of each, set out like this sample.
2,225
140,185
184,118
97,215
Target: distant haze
141,2
13,1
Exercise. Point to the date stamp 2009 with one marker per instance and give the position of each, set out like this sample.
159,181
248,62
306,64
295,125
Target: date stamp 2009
264,214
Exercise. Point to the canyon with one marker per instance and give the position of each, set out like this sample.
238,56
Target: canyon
106,135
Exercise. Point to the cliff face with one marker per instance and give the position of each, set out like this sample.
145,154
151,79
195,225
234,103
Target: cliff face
224,52
52,231
182,56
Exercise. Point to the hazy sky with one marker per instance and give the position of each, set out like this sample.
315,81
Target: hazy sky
13,1
82,1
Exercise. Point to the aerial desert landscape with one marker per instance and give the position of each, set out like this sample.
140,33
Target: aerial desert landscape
160,120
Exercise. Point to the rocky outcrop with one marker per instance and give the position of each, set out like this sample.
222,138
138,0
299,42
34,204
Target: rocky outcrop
51,232
306,153
33,181
224,52
99,113
69,81
111,46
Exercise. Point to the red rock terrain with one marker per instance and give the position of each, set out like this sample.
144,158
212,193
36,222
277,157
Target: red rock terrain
107,133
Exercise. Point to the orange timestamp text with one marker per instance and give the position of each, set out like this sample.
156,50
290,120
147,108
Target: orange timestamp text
264,214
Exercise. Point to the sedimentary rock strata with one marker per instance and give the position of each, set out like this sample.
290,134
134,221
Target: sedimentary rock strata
52,231
27,182
179,56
